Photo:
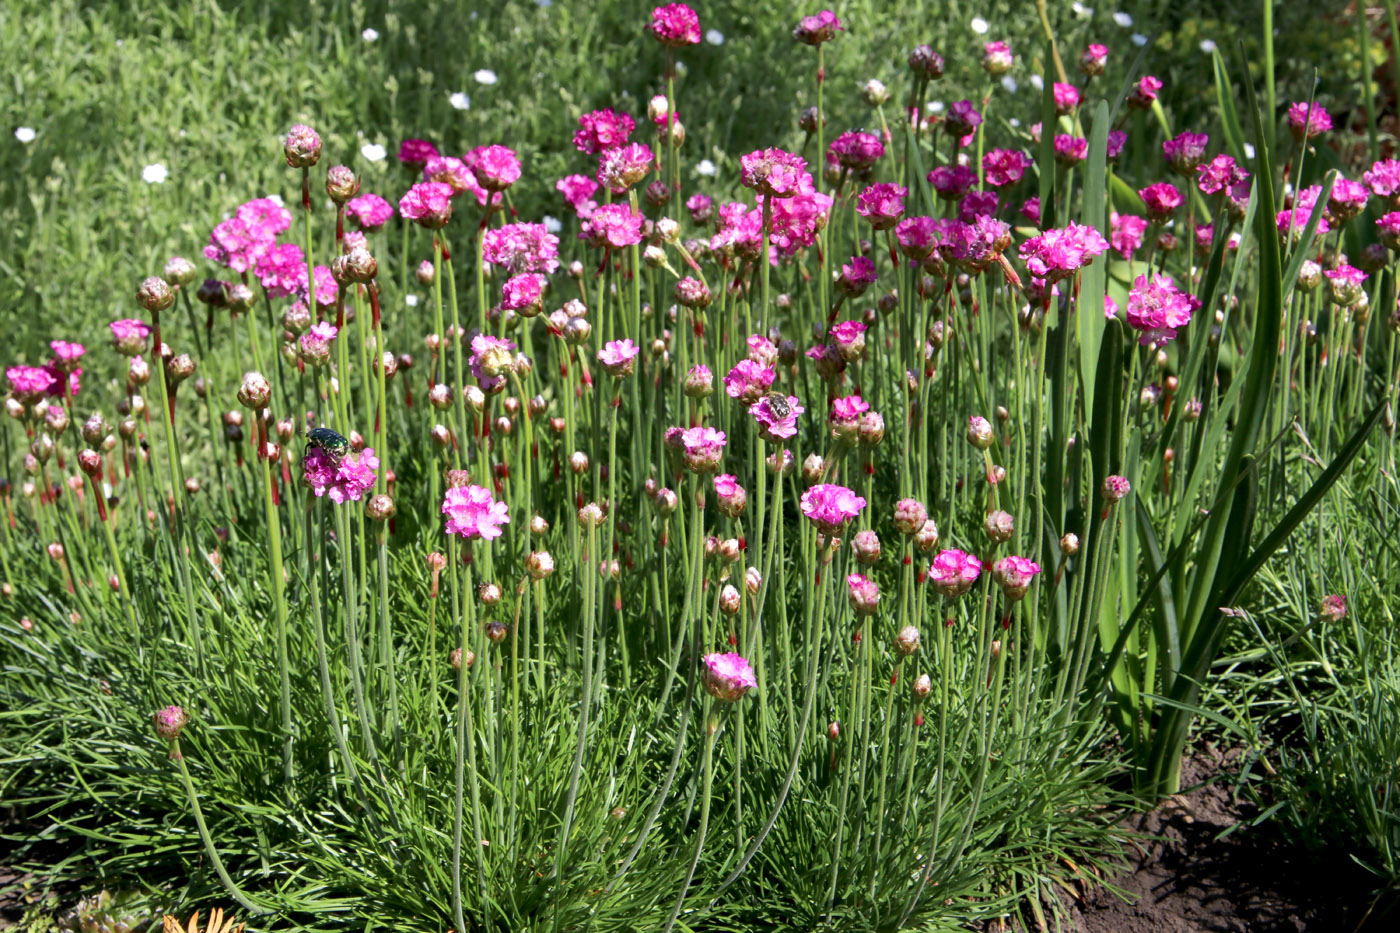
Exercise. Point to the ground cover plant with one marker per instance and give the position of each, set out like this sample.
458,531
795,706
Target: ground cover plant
815,534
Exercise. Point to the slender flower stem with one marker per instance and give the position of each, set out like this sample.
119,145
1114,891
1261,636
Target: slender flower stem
279,595
234,891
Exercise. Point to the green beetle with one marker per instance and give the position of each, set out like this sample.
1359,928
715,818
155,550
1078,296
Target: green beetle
334,444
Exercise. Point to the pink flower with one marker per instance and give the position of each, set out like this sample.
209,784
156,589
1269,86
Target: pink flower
602,130
796,220
829,506
856,151
1066,98
952,182
1219,174
728,677
1110,307
1292,222
814,30
1125,233
917,236
1144,92
414,153
622,167
1334,607
1031,210
675,24
281,270
1389,232
452,172
619,357
1093,59
882,204
747,381
1071,150
1185,152
491,357
524,293
129,336
495,167
1162,200
237,244
997,58
702,448
976,245
343,480
473,512
762,350
1308,121
1113,146
1347,200
776,416
863,594
521,247
773,172
849,339
962,119
953,572
370,211
612,226
1344,282
846,411
66,355
978,204
1158,309
1004,166
429,204
1015,575
856,276
692,293
1060,253
701,208
30,383
1383,178
576,189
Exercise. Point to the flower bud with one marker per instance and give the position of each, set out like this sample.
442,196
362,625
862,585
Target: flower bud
155,294
926,538
255,392
729,600
578,462
907,641
495,631
341,183
178,271
812,468
923,686
539,564
1069,544
753,581
302,147
866,545
380,508
169,722
909,516
979,432
999,526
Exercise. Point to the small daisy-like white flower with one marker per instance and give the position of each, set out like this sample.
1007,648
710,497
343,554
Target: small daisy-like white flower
369,35
1037,82
154,174
1207,45
705,167
1123,19
714,37
552,224
979,25
1009,83
459,101
411,300
1248,151
1138,39
936,106
25,134
485,76
1082,11
373,152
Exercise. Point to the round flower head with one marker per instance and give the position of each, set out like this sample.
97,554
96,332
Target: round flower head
612,226
856,151
1157,308
997,58
1126,233
1383,178
856,276
1344,283
619,357
1115,488
1347,200
169,722
1066,98
622,167
882,204
414,153
863,594
521,247
747,381
1071,150
814,30
962,119
1162,199
1185,152
702,447
1144,93
602,130
776,416
1060,253
1015,575
952,182
1334,607
302,147
918,237
129,336
772,172
728,677
692,293
829,507
495,167
1093,59
473,512
701,209
926,64
1003,167
429,204
491,356
524,294
344,479
370,211
30,383
1308,120
675,24
953,572
909,516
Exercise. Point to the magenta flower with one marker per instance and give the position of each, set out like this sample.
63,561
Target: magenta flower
1219,174
1003,167
1125,233
882,204
1308,121
576,189
814,30
863,594
491,357
962,119
849,337
619,357
473,512
237,244
1113,145
1031,210
524,293
1293,221
1157,308
1162,199
728,677
1185,152
1093,59
428,204
856,276
829,506
495,167
129,336
1347,200
602,130
776,416
917,237
1144,92
702,447
521,247
30,383
414,153
976,245
978,204
692,293
856,151
1389,230
762,350
952,182
1015,575
846,411
370,211
953,572
1344,282
1066,98
675,24
747,381
1383,178
701,208
1071,150
343,480
1060,253
997,58
797,220
612,226
773,172
281,270
452,172
622,167
1110,307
